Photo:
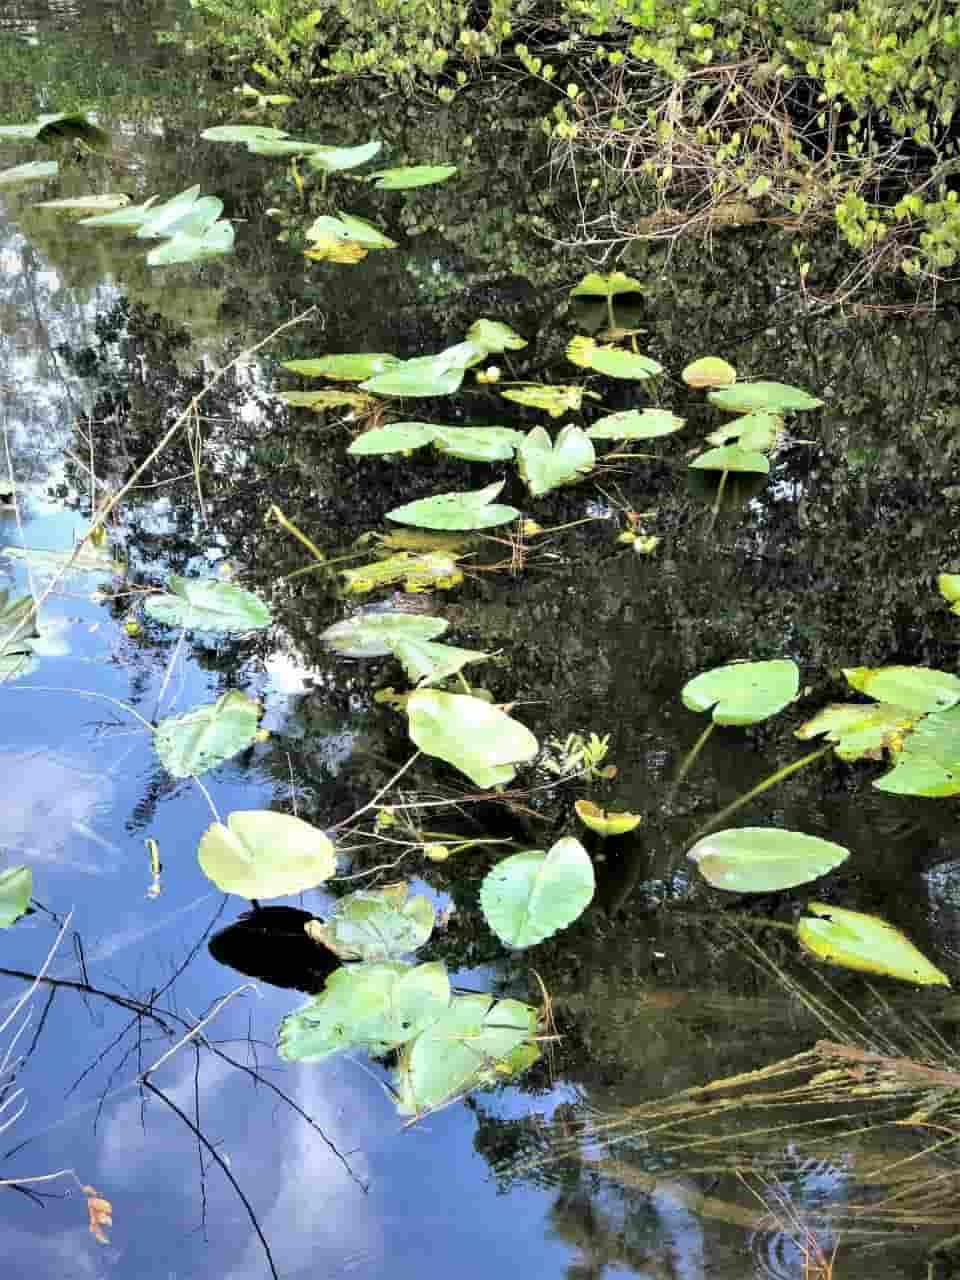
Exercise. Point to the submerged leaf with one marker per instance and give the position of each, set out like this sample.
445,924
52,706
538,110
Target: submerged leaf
320,401
375,924
764,859
709,371
475,509
636,424
405,177
376,1005
373,635
477,1041
416,572
867,943
772,397
533,895
475,737
333,249
861,731
546,464
16,886
606,822
555,400
206,736
207,604
743,692
920,689
263,854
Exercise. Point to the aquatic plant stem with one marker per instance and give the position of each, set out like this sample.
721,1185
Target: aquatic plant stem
759,789
372,804
276,514
691,757
100,518
84,693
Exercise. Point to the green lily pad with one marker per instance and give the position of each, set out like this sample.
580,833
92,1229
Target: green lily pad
16,886
764,859
259,853
867,943
395,437
604,822
478,444
185,246
753,431
337,159
555,400
635,424
919,689
348,227
594,285
615,362
351,367
709,371
769,397
243,133
206,736
546,464
373,635
929,763
376,1005
131,215
437,375
495,336
533,895
426,662
418,571
375,924
861,731
743,692
475,737
478,1041
474,509
207,604
406,177
106,203
34,171
732,458
949,586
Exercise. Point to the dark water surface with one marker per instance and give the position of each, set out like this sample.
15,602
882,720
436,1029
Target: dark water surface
832,563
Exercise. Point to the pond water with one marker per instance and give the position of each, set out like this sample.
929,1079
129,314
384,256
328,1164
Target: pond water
832,562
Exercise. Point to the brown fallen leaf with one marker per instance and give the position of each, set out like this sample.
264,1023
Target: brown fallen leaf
100,1212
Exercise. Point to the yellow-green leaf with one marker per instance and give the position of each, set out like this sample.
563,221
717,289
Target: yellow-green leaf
606,822
867,943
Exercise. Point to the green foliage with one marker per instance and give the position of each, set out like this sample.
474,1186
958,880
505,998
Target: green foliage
375,924
532,895
16,886
203,738
262,854
207,604
743,692
764,859
867,943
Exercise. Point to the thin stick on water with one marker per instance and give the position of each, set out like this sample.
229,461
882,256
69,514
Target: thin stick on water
195,1030
372,804
101,516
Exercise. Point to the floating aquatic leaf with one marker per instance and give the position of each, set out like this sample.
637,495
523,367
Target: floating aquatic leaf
406,177
477,738
87,204
772,397
743,692
207,604
709,371
861,731
16,623
916,688
533,895
167,217
929,763
34,171
949,585
320,401
16,886
351,367
754,431
375,924
333,249
547,464
478,444
495,336
635,424
211,242
764,859
606,822
348,227
555,400
131,215
282,147
336,159
613,361
243,133
259,853
395,437
732,458
416,572
427,662
373,635
867,943
605,286
376,1005
206,736
437,375
476,1042
475,509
